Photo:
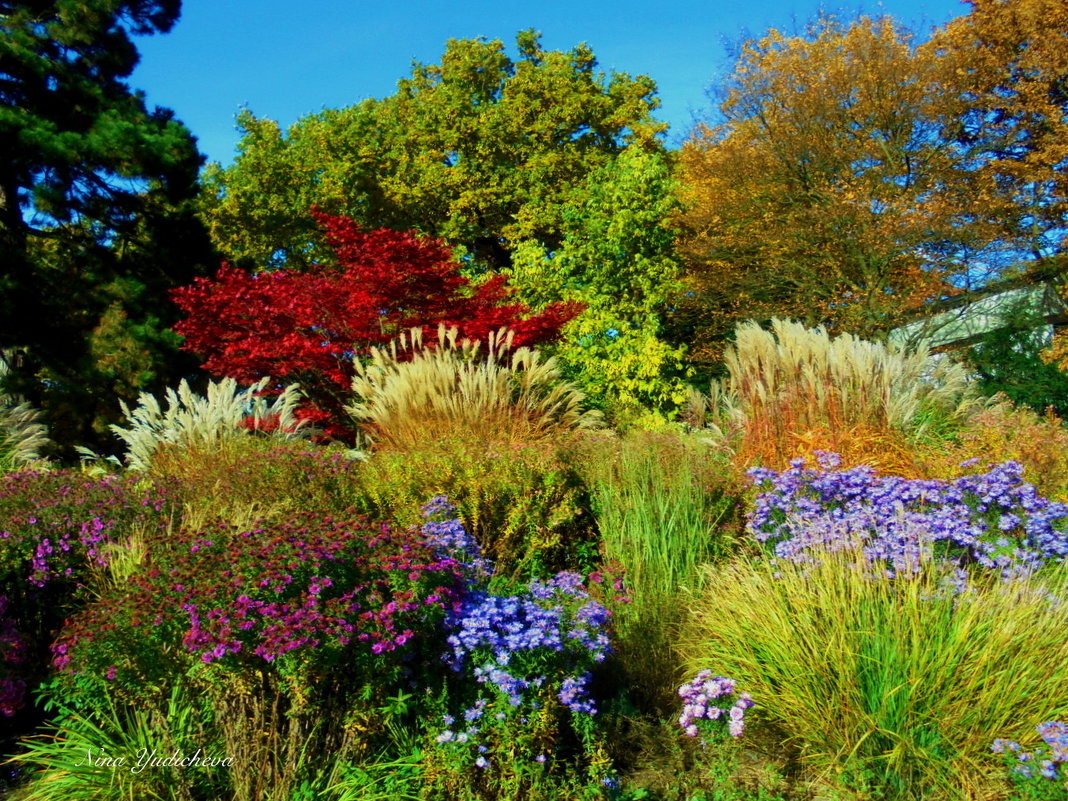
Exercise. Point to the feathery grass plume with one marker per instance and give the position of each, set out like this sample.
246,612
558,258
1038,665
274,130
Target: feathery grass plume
22,435
411,391
190,418
799,389
894,687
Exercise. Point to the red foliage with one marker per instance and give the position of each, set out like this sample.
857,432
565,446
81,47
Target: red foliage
306,327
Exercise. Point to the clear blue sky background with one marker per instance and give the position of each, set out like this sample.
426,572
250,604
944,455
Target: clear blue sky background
287,59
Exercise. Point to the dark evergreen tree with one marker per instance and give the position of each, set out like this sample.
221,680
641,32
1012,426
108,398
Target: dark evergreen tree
96,221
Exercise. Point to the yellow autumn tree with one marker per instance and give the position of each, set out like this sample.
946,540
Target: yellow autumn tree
1009,59
828,192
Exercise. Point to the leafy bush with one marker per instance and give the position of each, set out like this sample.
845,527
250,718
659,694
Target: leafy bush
890,688
1038,774
1038,443
524,503
413,392
241,480
522,664
1010,361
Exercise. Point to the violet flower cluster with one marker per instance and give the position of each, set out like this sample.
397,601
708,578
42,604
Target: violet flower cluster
1045,759
708,698
992,519
53,525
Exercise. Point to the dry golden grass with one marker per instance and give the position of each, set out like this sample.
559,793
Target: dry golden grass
793,390
412,392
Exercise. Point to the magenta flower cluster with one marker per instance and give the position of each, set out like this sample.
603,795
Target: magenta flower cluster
53,526
1043,762
991,519
708,698
306,583
12,652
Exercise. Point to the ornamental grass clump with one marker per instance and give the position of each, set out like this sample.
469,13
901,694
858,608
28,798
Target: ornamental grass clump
22,435
799,389
890,688
414,391
189,418
665,504
991,520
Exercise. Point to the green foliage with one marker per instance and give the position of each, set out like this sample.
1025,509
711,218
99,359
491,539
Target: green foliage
665,505
523,502
1008,360
618,258
895,687
96,218
108,754
189,418
508,395
540,167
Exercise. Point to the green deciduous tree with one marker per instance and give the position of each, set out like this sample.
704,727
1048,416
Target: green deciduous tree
517,164
95,214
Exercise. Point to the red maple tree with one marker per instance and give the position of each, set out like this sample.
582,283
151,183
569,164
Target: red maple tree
306,327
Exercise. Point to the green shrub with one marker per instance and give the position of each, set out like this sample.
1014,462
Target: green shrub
893,688
524,503
242,479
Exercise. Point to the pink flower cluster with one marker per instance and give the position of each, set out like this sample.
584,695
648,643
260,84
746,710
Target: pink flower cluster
705,698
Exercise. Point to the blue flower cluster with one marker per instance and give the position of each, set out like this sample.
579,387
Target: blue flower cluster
1046,758
992,519
519,647
698,698
445,533
554,622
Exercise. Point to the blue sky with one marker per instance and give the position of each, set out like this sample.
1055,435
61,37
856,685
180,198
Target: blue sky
287,59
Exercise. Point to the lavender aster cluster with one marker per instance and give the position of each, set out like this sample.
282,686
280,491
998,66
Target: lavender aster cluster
708,698
445,533
1045,759
992,519
555,618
